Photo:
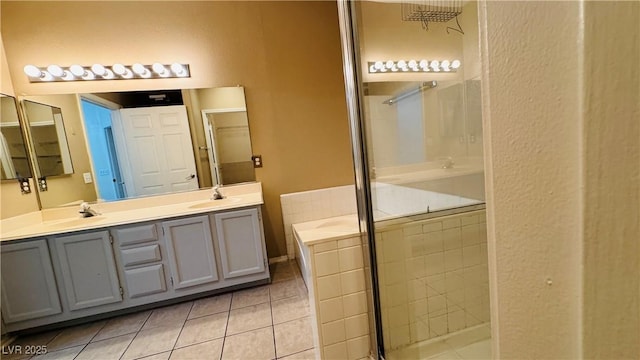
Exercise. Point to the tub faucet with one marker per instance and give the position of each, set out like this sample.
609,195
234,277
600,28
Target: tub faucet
86,211
217,195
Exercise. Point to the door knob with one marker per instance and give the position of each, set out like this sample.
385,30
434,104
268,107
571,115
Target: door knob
190,177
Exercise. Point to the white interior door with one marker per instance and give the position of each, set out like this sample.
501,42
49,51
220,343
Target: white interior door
158,147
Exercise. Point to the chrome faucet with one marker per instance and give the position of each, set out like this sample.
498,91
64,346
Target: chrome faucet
217,195
86,210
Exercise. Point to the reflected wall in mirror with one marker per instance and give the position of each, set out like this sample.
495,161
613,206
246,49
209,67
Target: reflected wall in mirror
14,156
157,142
423,123
48,139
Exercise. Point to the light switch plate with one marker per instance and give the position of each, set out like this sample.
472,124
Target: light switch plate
87,178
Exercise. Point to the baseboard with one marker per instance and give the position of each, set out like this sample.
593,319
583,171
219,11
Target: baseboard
278,259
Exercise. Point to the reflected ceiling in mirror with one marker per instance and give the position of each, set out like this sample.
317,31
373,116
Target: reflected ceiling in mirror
147,143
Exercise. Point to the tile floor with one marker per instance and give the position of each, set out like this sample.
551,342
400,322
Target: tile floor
266,322
469,344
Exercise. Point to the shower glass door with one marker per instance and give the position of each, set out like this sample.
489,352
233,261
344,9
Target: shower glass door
418,78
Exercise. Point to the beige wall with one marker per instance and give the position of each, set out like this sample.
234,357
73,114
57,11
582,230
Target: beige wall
562,157
286,55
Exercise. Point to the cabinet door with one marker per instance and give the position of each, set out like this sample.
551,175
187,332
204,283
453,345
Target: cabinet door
88,269
28,286
240,239
190,251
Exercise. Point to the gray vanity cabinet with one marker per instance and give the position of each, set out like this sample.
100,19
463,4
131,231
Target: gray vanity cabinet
190,251
87,268
29,288
140,253
240,238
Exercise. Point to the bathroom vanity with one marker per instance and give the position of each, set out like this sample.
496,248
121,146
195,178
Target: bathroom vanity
135,253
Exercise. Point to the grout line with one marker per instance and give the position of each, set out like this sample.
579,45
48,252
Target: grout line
182,328
273,328
137,333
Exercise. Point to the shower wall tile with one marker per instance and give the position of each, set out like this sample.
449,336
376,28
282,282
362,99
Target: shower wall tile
433,276
338,298
315,205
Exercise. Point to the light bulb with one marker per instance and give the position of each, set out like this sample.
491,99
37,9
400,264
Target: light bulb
435,69
32,71
372,68
77,70
88,75
160,69
46,76
402,64
389,64
67,76
424,64
455,64
141,70
108,74
55,70
413,63
394,68
178,69
122,71
445,63
99,69
379,65
435,64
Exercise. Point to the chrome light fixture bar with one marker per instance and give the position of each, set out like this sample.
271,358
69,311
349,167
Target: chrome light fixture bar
413,66
54,72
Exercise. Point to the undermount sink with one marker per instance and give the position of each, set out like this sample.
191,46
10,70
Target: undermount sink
215,203
74,222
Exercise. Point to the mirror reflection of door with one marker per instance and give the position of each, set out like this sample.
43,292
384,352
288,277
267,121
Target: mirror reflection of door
106,168
157,144
14,158
229,145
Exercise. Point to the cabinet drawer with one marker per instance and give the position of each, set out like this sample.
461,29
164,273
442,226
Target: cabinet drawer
141,255
145,280
135,234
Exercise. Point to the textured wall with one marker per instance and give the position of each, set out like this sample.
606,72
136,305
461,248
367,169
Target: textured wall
561,90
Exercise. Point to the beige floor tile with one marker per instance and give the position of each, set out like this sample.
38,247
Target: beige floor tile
283,271
286,289
289,309
254,345
66,354
172,315
304,355
16,351
210,350
249,318
203,329
74,336
249,297
162,356
111,348
153,341
210,305
293,336
122,325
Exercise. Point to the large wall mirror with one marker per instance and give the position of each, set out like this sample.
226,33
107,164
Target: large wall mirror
48,139
146,143
14,156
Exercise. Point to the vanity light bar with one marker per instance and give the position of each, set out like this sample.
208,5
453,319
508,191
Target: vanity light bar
432,66
104,72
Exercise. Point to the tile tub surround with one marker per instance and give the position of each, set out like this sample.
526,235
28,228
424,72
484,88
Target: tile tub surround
311,205
60,220
333,255
216,327
433,277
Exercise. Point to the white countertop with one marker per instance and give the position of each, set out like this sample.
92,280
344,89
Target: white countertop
64,220
335,228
